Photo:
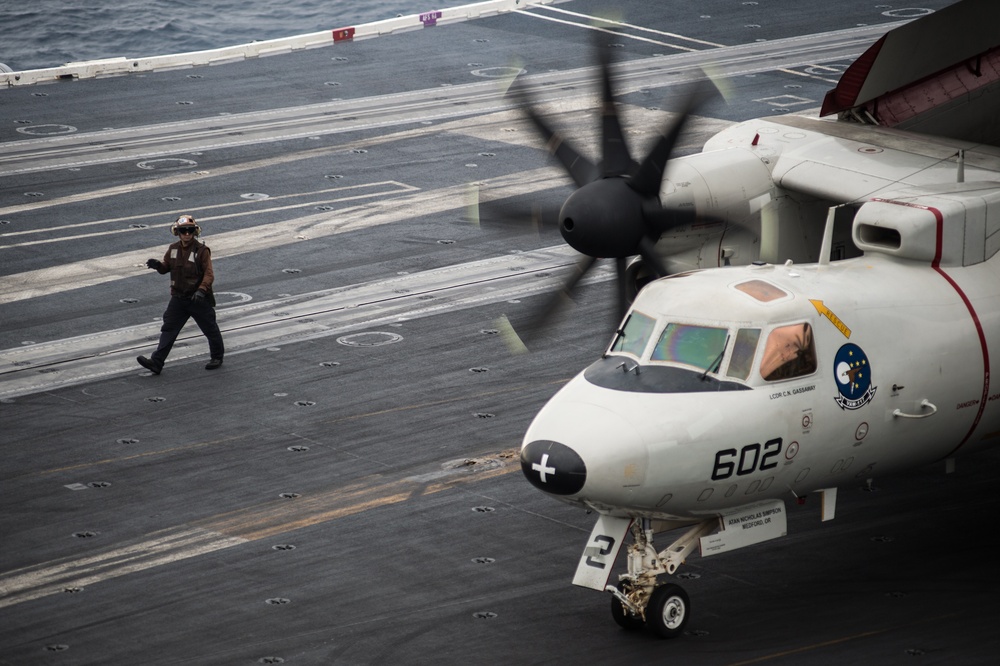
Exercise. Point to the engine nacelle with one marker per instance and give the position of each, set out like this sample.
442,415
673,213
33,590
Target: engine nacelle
637,276
731,184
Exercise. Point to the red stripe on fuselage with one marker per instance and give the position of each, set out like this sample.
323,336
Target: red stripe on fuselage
936,265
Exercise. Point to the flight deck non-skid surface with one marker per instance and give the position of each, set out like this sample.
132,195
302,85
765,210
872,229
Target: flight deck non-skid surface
346,488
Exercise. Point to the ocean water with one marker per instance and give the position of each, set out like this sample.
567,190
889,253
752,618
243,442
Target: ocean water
49,33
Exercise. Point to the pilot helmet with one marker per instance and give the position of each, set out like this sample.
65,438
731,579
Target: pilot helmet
185,221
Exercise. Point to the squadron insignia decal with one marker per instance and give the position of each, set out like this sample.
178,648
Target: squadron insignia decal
854,377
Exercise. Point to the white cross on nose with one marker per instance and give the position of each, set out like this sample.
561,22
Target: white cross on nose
542,467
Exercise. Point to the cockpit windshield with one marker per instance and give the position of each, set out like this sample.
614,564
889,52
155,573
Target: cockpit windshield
701,347
667,351
698,346
634,335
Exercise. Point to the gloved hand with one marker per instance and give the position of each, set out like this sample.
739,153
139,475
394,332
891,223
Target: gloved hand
198,295
154,264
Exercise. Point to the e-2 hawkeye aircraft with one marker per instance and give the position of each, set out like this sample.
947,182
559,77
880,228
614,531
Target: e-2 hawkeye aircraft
727,391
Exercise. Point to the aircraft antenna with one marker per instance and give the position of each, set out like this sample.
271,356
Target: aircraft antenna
827,246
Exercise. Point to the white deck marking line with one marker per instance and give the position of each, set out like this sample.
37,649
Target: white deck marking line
639,28
261,207
610,21
100,270
159,548
613,32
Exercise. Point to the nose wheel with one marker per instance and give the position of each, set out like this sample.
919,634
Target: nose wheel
667,612
638,601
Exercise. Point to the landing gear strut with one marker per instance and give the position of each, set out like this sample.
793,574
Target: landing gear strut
638,598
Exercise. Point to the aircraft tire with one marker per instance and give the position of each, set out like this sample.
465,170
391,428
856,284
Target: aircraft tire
623,618
668,610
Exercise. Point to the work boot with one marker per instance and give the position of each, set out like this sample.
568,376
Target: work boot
213,364
150,364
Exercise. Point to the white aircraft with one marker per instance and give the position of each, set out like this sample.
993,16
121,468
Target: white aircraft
727,391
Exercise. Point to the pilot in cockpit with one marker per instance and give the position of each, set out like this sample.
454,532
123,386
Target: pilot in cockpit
789,352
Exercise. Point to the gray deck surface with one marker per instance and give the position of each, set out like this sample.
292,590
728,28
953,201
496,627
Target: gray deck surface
346,488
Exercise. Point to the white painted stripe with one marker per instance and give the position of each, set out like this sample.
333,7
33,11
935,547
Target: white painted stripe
320,314
101,270
164,547
614,32
630,26
259,207
186,176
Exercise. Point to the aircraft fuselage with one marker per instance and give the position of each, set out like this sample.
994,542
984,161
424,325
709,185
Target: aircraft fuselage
897,374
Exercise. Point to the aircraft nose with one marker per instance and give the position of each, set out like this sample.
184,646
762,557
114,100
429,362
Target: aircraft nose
553,468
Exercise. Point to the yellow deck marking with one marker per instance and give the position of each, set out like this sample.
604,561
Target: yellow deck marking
282,516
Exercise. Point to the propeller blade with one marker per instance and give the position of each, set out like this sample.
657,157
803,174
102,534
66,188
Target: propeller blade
509,336
513,215
649,177
615,159
542,316
580,169
621,296
583,265
647,249
664,219
544,218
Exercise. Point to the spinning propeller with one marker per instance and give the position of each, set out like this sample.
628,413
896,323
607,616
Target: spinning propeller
615,212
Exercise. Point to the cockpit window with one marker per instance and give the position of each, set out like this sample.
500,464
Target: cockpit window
634,335
700,346
765,292
789,352
743,351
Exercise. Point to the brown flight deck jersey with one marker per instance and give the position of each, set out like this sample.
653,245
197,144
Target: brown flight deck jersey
190,268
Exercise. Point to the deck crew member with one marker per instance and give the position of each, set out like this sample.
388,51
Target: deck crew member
189,263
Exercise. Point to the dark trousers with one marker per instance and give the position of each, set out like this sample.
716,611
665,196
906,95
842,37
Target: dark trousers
178,311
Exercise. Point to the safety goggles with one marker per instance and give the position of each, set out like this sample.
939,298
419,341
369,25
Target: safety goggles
185,230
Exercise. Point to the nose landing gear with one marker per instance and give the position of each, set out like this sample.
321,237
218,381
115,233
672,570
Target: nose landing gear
625,600
638,600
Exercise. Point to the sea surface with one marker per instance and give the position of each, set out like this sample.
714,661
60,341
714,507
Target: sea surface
49,33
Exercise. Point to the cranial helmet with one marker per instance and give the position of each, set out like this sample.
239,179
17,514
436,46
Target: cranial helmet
185,221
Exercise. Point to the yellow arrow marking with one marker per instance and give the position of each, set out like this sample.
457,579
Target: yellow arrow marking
834,319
